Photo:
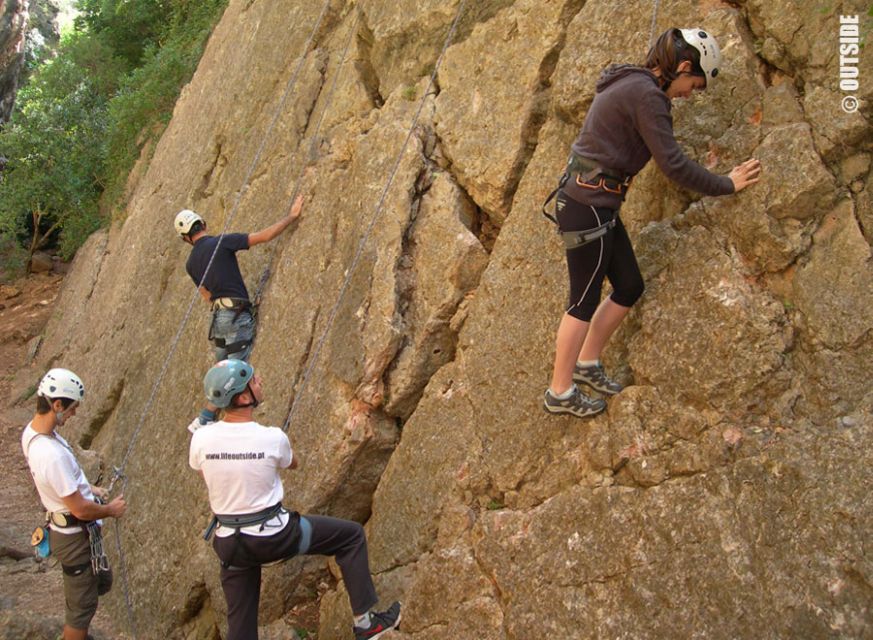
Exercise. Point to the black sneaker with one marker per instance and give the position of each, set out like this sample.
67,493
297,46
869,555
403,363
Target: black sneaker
578,404
595,378
380,623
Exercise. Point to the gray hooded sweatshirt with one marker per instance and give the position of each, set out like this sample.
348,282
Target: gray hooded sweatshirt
629,122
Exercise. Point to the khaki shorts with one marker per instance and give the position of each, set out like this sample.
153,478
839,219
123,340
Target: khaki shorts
80,585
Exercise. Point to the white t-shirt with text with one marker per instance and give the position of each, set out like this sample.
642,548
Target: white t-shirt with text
55,470
240,462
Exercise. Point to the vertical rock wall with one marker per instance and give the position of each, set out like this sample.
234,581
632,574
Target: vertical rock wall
13,30
26,26
722,495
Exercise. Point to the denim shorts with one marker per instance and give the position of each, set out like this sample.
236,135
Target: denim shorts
225,327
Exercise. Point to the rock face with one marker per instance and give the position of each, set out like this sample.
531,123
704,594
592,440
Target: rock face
25,27
13,28
723,494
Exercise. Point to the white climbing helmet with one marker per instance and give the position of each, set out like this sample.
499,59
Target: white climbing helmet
61,383
185,219
710,54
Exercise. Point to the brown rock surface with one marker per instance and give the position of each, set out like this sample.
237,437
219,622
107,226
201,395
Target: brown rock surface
730,476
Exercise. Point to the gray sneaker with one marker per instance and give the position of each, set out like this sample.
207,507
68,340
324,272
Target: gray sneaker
595,378
578,404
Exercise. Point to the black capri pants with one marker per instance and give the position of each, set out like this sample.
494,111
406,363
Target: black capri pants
343,539
611,256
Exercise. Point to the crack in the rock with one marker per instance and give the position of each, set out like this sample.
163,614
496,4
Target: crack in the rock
499,597
486,232
275,255
302,361
104,252
538,114
110,402
206,187
364,63
361,473
167,269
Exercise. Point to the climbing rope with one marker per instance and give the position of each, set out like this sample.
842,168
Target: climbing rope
654,20
374,219
265,276
118,472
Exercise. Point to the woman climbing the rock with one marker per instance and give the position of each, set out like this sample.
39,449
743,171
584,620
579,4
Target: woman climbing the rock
628,123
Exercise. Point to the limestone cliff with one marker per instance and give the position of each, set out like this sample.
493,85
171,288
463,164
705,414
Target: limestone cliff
724,494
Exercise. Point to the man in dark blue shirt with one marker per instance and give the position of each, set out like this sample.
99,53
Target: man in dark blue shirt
232,329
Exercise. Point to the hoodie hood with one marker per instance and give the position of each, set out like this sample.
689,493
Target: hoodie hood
617,71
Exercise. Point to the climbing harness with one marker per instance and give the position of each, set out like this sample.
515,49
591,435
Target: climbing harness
63,520
241,521
239,306
587,174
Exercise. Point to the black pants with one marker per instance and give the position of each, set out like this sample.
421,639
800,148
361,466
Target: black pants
611,256
343,539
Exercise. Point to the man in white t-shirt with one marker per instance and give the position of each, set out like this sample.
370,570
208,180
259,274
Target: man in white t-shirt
68,498
240,461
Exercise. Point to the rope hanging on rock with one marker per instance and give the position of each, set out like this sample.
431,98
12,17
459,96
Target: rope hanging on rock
118,472
265,276
654,20
377,212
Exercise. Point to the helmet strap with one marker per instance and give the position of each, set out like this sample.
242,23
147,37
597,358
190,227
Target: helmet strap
254,403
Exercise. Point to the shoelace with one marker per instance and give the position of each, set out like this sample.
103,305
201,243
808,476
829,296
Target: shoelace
580,400
599,376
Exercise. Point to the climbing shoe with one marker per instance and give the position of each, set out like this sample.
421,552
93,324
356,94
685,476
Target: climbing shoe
595,378
380,623
578,404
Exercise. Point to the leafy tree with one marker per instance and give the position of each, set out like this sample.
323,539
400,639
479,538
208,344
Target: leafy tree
53,147
144,103
83,119
128,27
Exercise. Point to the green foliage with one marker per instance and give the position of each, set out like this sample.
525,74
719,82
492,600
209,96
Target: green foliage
144,103
13,258
128,27
53,144
410,92
82,120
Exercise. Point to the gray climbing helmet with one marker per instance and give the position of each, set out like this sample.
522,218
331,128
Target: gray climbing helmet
225,380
